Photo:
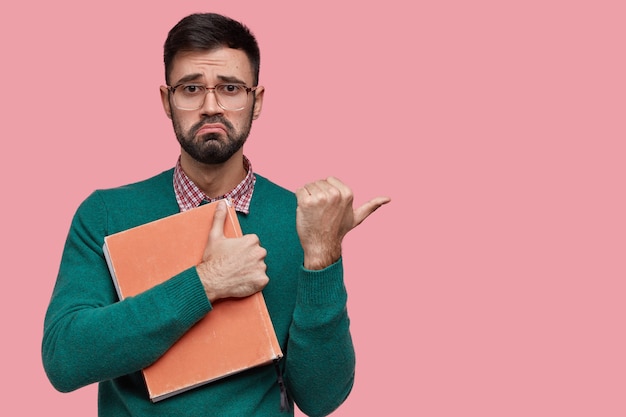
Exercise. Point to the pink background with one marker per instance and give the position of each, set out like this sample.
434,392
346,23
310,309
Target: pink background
492,285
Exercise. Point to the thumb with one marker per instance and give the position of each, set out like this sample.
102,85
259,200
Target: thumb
219,217
368,208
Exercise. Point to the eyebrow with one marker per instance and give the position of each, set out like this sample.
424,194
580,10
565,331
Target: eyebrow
231,79
197,76
190,77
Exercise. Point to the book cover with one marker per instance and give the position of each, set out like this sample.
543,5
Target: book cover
236,335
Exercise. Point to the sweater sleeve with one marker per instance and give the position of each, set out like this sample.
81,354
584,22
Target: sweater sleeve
319,368
90,336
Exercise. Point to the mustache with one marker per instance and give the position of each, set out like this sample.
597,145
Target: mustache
210,120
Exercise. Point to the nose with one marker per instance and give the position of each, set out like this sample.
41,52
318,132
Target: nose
210,106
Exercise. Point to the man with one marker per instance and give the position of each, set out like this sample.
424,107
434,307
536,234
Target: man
291,250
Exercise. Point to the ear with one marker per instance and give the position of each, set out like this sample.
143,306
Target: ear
258,102
165,100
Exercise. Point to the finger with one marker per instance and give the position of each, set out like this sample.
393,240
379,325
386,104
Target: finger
338,184
329,190
219,218
310,192
303,192
368,208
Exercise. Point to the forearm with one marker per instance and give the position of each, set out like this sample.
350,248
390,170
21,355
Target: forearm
320,363
91,341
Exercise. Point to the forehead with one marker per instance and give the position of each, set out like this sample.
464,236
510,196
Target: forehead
214,65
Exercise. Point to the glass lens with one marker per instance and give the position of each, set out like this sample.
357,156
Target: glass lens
189,96
231,96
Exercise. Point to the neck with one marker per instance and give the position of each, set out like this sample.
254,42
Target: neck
214,179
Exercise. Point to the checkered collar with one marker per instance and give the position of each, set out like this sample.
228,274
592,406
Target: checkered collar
188,195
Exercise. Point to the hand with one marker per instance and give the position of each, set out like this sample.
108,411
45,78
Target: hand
324,216
231,267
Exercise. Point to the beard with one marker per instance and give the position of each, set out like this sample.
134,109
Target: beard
211,148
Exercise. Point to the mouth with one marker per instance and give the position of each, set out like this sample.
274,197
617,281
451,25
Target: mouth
211,128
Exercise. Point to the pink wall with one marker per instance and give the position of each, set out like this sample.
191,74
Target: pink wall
492,285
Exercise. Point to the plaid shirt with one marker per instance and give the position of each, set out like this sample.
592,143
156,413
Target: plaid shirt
188,195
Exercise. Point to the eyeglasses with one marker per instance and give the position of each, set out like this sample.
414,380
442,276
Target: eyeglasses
231,97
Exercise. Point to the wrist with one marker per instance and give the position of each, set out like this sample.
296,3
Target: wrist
203,274
321,259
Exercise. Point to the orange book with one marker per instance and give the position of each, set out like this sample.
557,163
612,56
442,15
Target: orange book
236,335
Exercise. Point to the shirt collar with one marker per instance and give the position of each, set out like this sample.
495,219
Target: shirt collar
188,195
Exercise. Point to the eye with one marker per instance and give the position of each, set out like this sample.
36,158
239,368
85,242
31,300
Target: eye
191,89
230,89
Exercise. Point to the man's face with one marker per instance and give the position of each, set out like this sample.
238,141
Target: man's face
210,134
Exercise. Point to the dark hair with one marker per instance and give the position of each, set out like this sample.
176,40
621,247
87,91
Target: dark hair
209,31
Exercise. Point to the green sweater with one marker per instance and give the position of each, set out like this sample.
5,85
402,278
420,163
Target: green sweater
90,336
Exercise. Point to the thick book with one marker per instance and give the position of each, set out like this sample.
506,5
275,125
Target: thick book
237,334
